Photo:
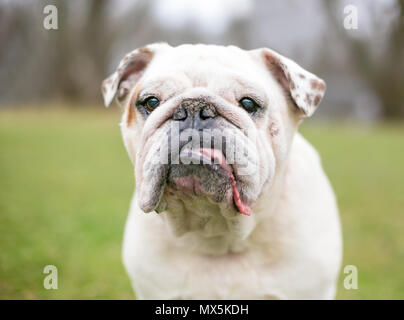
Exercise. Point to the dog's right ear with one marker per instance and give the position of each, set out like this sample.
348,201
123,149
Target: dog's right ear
129,71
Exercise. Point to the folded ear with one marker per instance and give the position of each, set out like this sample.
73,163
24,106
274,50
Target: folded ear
129,71
305,88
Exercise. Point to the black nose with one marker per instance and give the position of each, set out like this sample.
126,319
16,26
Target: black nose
199,110
180,114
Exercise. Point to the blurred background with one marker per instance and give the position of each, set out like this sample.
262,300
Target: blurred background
66,181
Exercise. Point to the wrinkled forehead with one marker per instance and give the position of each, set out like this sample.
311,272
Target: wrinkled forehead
204,64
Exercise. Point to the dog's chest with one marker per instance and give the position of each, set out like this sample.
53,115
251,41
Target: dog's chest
233,276
164,270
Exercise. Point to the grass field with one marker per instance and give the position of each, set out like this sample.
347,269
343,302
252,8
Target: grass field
66,183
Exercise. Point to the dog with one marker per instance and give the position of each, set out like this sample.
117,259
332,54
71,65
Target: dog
264,225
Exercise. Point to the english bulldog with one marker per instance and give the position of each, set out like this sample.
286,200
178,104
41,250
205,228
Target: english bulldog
231,202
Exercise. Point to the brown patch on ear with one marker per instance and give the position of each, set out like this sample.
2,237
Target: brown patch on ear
131,106
317,84
317,99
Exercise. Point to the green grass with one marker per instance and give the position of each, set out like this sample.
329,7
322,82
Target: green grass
66,183
366,168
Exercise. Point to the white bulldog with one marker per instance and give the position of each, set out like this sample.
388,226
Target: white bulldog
231,202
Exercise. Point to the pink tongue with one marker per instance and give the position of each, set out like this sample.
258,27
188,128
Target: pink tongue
242,207
218,155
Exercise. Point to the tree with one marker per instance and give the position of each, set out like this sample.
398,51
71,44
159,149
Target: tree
382,69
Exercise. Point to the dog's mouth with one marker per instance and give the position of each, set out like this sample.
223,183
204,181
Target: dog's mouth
208,160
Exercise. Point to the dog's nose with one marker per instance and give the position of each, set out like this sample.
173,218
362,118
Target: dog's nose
199,110
180,114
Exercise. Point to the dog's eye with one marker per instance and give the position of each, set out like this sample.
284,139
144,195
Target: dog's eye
151,103
249,105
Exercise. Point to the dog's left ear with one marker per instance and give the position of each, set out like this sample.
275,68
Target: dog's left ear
305,89
128,73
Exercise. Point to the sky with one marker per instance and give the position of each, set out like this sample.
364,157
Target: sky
212,16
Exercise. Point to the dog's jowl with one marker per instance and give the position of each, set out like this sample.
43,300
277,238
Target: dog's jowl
231,202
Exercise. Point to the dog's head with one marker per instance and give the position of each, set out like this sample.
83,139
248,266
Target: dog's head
209,125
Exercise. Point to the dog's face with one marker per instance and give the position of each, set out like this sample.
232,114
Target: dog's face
209,123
